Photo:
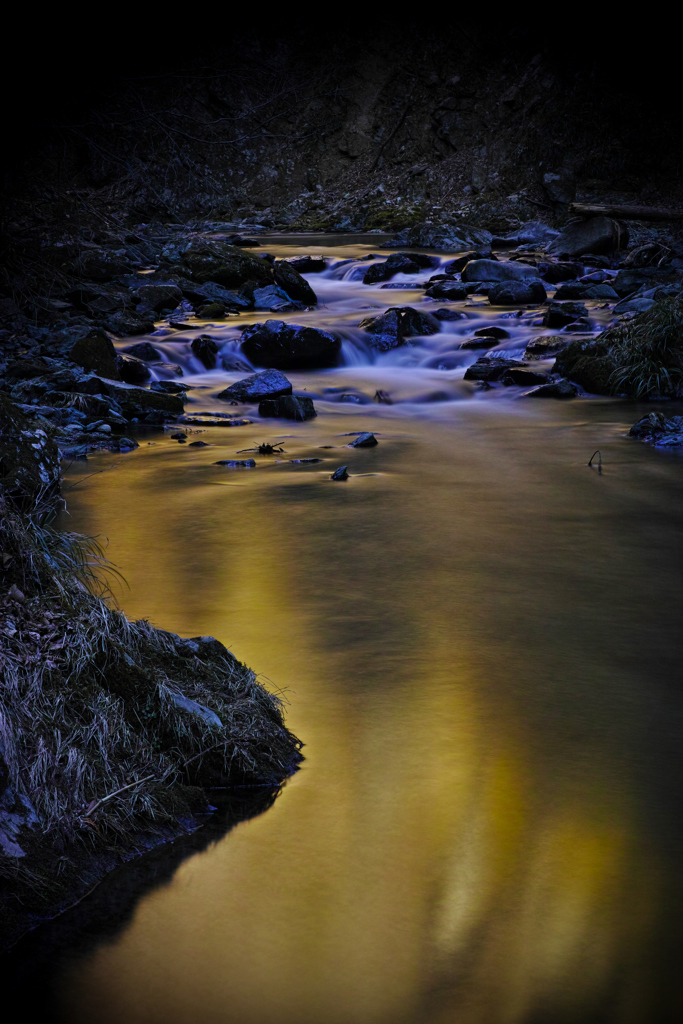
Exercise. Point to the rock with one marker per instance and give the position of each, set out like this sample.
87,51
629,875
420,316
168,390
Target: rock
570,290
451,291
210,292
16,812
398,263
495,270
270,298
390,329
170,369
288,407
301,462
499,333
485,342
545,347
199,444
523,378
517,293
96,352
136,401
588,362
239,240
212,311
655,424
307,264
266,384
340,474
460,262
601,291
629,281
490,368
29,459
132,370
554,273
596,235
205,348
169,387
559,314
288,346
364,440
101,265
224,264
231,361
447,236
156,297
26,369
144,350
634,305
192,707
236,463
555,389
180,435
293,284
449,314
128,324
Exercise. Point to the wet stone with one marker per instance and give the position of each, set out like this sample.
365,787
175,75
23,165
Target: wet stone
236,463
364,440
340,474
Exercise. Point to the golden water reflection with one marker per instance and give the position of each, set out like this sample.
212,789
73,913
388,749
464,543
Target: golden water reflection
470,669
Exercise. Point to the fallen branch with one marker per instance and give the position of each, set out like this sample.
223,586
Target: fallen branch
93,806
624,212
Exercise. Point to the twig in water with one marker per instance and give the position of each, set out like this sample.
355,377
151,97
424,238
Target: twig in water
590,461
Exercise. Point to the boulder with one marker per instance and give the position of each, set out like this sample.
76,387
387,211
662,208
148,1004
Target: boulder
499,333
132,370
560,314
212,311
224,264
451,291
29,459
602,292
520,377
205,349
288,407
96,352
596,235
571,290
266,384
287,346
307,264
210,292
390,329
588,362
517,293
637,304
655,424
26,369
496,270
490,368
73,381
155,297
293,284
144,350
398,263
169,387
101,265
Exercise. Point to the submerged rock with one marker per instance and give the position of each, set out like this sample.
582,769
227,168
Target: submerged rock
340,474
289,407
490,368
554,389
236,463
390,329
288,346
364,440
205,348
266,384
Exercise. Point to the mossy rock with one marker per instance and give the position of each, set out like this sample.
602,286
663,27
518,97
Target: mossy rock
588,363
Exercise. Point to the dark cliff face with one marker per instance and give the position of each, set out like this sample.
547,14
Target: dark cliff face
344,125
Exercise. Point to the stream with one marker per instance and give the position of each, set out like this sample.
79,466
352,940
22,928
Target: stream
479,639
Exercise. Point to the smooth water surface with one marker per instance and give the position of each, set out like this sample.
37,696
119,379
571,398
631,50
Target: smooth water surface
479,639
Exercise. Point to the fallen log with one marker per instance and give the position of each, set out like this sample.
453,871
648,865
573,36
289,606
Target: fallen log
624,212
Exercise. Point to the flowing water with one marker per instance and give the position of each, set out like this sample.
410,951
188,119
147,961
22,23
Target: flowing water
479,639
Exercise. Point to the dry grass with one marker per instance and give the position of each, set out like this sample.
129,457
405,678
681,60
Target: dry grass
648,352
91,731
